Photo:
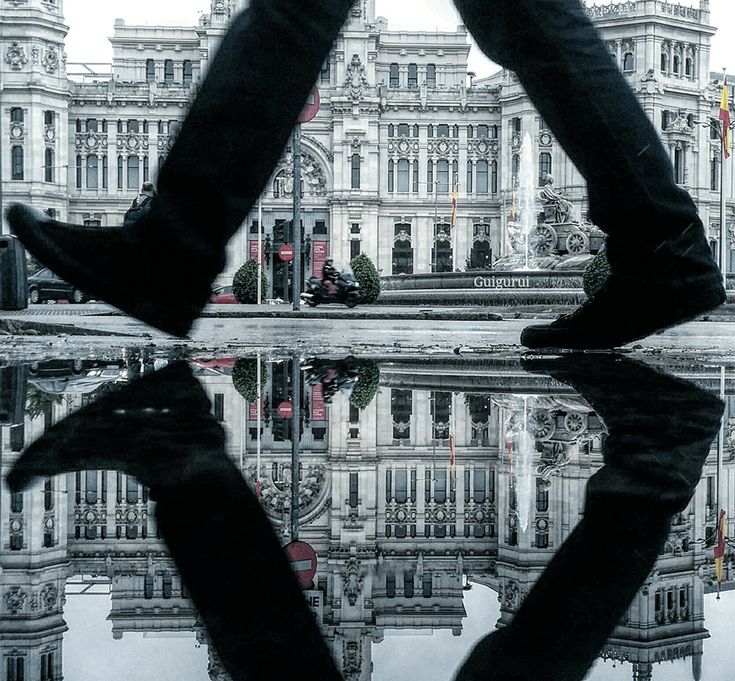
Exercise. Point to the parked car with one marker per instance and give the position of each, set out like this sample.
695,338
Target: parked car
45,285
223,295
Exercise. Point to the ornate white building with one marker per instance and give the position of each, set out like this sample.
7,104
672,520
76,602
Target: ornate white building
401,123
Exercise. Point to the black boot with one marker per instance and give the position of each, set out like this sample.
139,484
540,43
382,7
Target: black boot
161,269
663,270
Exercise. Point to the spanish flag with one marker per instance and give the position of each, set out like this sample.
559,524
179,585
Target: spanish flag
725,118
720,547
454,207
452,455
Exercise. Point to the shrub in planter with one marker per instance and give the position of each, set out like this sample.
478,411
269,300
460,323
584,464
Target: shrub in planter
245,379
367,276
366,387
595,274
244,285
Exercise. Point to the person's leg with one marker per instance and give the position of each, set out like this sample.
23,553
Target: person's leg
161,268
655,235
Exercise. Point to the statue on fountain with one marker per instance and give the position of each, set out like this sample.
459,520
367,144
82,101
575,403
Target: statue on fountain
557,208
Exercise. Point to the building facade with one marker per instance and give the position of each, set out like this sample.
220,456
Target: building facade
401,124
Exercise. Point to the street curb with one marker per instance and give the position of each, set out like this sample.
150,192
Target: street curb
12,327
428,315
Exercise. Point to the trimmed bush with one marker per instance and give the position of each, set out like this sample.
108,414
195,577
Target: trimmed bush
367,276
368,382
595,274
244,285
245,379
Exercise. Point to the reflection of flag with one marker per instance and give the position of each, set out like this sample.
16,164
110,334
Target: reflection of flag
453,223
513,214
720,547
258,489
452,456
725,118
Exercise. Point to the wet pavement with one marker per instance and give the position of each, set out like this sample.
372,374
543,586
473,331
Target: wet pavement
459,515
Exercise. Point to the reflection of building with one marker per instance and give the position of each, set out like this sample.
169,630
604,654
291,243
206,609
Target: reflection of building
401,124
397,530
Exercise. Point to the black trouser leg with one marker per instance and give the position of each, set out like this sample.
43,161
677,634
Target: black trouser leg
567,72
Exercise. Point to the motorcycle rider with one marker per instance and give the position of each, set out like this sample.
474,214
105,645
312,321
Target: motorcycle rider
329,276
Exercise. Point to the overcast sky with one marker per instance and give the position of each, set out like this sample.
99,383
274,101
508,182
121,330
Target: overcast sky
90,29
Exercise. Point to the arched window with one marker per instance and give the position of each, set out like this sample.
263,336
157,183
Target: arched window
431,75
482,177
16,115
403,175
544,167
442,131
48,165
355,180
168,71
415,177
677,64
391,176
494,177
470,174
415,130
430,176
120,172
455,131
483,132
105,173
403,130
442,176
470,132
395,78
628,62
664,62
133,172
79,172
430,131
689,67
92,171
455,174
150,71
16,163
391,130
188,72
146,169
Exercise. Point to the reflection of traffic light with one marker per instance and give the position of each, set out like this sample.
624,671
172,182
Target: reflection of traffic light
279,231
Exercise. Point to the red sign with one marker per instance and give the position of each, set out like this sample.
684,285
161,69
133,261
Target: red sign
285,410
254,252
303,562
318,406
253,409
285,252
312,106
318,257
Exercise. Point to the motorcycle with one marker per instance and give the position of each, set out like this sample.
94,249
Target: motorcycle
346,290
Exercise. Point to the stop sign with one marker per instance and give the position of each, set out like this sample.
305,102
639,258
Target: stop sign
312,106
303,562
285,410
285,253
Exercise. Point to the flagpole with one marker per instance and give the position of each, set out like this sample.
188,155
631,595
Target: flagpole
259,286
258,380
723,207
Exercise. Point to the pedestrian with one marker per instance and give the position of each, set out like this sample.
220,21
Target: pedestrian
662,269
142,204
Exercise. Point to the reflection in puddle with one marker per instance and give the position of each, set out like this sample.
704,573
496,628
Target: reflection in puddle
434,493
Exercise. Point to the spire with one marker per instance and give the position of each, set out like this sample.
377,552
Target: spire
697,666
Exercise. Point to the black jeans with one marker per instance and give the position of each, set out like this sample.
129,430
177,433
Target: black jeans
261,76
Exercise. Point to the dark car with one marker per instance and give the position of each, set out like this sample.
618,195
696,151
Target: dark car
45,285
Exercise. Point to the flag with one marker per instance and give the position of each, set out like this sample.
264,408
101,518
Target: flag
720,547
452,456
725,118
454,207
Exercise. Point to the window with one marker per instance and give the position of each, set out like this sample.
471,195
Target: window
542,496
326,73
455,174
688,66
120,128
413,76
516,125
426,583
455,131
391,176
92,125
470,176
403,130
408,584
79,172
388,485
48,118
677,64
483,131
355,248
105,173
133,172
47,666
544,167
442,131
167,585
470,132
17,438
150,71
92,171
146,168
15,668
628,62
16,502
664,62
403,175
90,486
148,587
390,585
355,183
394,76
16,163
679,166
415,177
430,176
416,130
120,172
131,493
391,130
133,126
430,131
16,115
219,407
714,174
482,177
168,71
402,250
401,486
48,165
442,176
479,490
516,165
431,75
188,72
440,486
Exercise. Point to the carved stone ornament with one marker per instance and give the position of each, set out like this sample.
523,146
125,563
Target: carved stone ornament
351,662
16,56
511,594
15,599
51,60
352,580
356,81
49,596
313,177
